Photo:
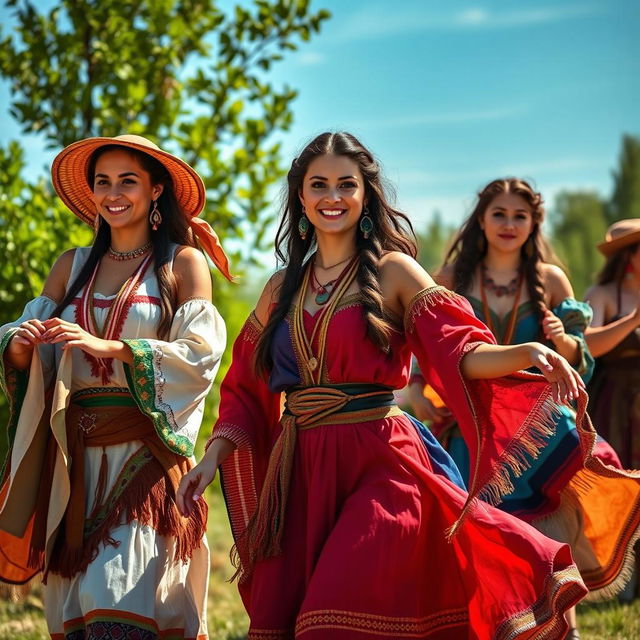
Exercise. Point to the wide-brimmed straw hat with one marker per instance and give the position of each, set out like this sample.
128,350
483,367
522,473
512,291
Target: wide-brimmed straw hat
619,235
70,180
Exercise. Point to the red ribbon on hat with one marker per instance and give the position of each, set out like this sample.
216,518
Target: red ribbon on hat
210,244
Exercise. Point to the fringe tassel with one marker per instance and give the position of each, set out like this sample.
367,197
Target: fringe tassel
514,461
101,485
263,535
424,299
148,499
626,573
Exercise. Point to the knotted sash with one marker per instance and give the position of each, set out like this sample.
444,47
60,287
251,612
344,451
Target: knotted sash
145,489
306,408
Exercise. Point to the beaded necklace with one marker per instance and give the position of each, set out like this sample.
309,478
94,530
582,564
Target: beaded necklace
128,255
513,315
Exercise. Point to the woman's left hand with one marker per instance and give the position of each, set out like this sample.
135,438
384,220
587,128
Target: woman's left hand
72,335
565,381
552,327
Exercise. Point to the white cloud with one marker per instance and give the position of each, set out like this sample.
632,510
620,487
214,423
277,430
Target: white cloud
378,21
459,117
472,17
310,58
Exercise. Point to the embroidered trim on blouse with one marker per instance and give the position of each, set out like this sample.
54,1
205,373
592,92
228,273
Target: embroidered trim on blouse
191,298
160,381
252,329
231,432
424,299
141,377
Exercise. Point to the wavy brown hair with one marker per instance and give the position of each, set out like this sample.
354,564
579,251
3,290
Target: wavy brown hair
470,246
392,231
174,229
615,266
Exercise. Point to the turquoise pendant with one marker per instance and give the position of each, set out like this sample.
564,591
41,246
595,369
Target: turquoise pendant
322,296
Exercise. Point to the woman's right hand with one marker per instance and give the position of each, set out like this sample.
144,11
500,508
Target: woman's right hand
566,383
194,482
20,347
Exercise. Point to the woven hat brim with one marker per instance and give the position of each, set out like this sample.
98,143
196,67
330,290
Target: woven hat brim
69,171
610,247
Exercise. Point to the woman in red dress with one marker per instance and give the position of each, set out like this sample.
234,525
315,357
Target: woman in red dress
348,519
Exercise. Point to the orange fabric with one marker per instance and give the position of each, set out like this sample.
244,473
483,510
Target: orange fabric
21,558
210,243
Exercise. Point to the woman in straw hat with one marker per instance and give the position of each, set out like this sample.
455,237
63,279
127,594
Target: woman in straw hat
106,372
340,505
615,339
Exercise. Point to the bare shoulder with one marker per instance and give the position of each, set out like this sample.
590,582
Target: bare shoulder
401,277
269,296
192,274
603,300
556,283
445,276
398,264
56,284
600,294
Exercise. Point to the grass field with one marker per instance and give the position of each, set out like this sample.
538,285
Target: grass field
22,618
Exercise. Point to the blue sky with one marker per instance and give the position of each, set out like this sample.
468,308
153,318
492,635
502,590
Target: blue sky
450,95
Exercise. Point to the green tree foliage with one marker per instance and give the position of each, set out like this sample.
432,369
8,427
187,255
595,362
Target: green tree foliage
184,73
433,243
579,223
625,199
579,219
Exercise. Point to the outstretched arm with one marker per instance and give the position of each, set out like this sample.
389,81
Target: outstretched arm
403,278
602,338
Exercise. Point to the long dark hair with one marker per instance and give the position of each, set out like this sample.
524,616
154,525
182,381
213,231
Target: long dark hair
392,231
174,228
470,245
615,266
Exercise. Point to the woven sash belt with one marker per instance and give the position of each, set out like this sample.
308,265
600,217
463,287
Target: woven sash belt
307,408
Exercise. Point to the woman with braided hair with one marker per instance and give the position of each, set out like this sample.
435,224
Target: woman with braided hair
502,264
339,504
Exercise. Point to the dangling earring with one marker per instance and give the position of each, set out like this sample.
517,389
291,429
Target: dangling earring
529,247
366,223
96,222
303,225
155,217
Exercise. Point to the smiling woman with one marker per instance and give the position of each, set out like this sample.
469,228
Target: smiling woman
502,264
106,373
340,504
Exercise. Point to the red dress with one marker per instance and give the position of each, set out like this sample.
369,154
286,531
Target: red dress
365,550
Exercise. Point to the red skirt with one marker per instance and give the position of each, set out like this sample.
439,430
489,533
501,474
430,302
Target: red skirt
366,554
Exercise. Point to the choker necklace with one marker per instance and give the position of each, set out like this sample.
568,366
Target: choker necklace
513,316
499,289
333,265
128,255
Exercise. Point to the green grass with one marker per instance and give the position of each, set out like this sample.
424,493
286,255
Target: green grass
21,618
